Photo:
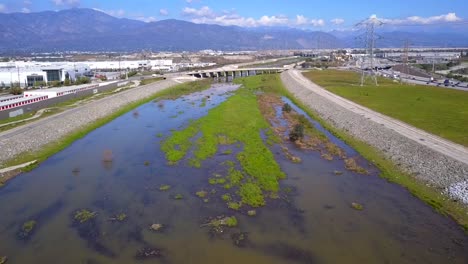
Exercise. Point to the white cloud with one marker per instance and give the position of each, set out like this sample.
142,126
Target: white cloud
163,12
146,19
25,10
206,15
66,2
447,18
273,21
202,12
2,8
337,21
115,13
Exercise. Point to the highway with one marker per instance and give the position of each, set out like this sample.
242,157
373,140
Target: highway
456,85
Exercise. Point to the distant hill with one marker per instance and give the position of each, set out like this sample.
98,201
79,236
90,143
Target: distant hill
91,30
84,29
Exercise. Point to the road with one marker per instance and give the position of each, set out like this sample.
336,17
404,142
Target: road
455,85
446,147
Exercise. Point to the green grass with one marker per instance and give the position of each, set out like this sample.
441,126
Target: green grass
56,146
151,80
17,118
443,112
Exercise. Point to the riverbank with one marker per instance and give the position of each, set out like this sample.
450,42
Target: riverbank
425,173
45,137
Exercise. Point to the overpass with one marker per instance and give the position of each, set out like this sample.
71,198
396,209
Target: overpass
234,72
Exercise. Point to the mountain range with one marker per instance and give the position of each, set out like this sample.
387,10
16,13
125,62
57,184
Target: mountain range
82,29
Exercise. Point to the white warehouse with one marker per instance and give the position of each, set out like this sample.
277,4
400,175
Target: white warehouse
31,73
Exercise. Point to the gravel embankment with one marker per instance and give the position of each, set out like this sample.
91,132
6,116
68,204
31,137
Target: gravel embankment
33,136
424,163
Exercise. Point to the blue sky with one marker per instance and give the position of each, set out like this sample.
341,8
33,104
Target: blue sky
307,14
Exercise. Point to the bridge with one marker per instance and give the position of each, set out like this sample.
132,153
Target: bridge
235,72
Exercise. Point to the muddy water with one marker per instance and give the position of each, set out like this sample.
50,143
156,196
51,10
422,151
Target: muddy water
313,221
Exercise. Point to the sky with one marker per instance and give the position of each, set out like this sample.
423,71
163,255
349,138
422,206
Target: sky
305,14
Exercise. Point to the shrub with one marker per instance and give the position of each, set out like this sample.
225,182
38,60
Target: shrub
16,91
297,132
287,108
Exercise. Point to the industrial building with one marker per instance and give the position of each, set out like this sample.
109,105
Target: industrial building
29,74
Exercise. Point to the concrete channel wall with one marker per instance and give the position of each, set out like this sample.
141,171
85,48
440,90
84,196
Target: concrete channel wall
52,101
33,136
424,163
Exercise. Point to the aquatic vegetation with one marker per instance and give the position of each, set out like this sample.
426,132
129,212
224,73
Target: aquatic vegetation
178,196
251,213
84,215
146,163
286,108
338,172
227,152
202,194
203,103
148,252
107,156
159,135
351,164
206,200
334,149
274,195
220,221
226,197
357,206
156,227
121,217
235,177
231,221
251,194
164,187
327,156
240,239
29,226
296,133
239,120
216,181
234,205
27,229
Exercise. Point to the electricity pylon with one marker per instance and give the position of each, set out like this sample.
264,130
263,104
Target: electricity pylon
367,65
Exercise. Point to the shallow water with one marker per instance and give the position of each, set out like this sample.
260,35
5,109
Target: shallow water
312,223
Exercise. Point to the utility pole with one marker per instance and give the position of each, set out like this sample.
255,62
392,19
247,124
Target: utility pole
19,80
120,70
406,55
369,43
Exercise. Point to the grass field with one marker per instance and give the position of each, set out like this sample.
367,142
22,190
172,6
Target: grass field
443,112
